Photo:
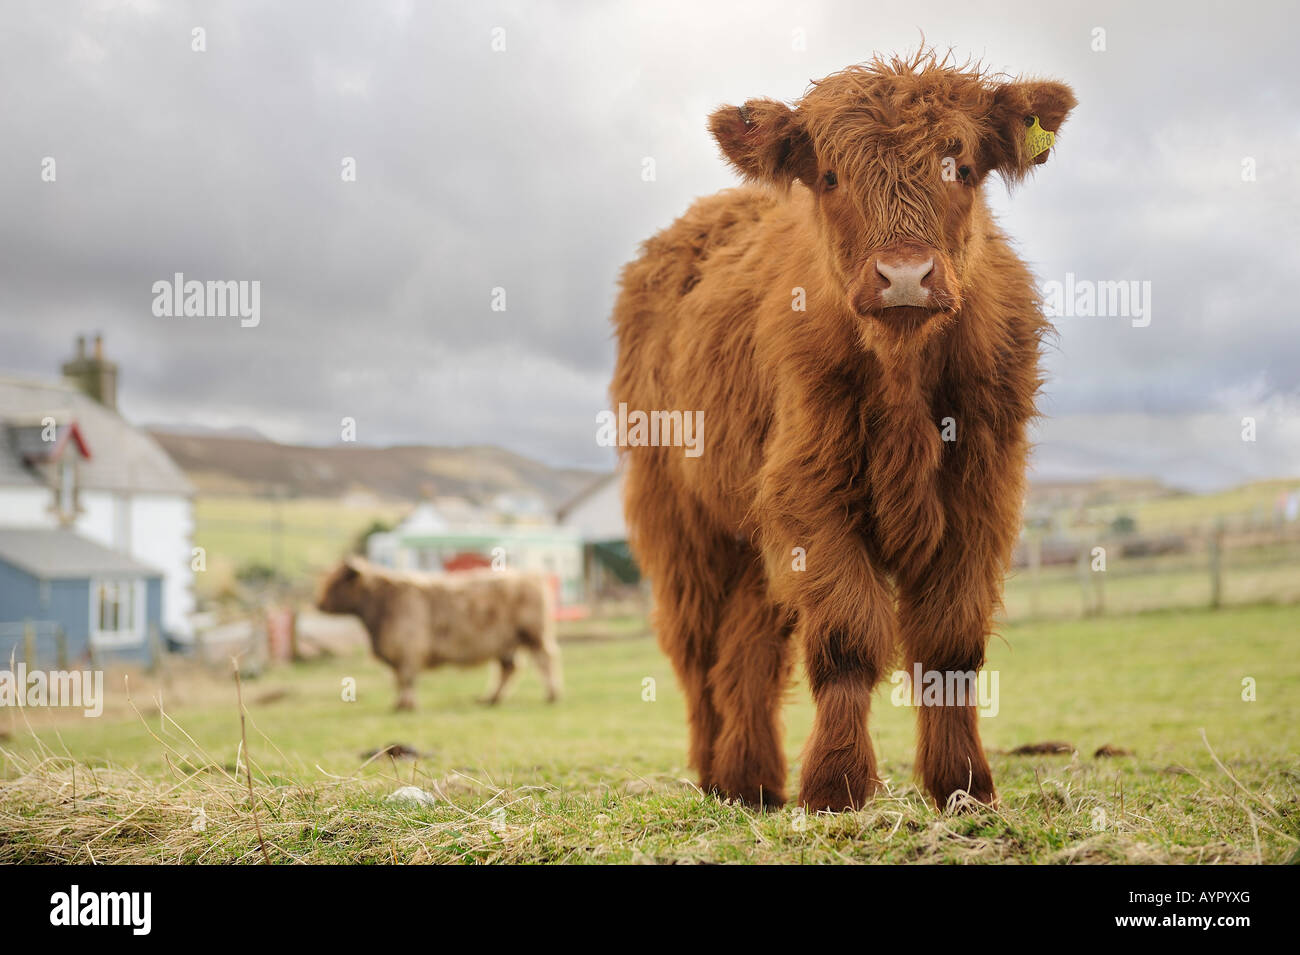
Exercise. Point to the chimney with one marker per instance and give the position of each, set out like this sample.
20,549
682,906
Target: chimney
93,375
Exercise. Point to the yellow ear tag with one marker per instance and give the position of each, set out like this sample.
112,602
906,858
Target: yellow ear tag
1037,139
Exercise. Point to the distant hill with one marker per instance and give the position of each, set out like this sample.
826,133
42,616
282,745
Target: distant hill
207,431
1053,494
236,464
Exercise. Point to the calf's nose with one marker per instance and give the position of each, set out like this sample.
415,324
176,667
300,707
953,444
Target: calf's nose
905,282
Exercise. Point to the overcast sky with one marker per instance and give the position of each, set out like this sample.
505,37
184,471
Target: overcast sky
522,169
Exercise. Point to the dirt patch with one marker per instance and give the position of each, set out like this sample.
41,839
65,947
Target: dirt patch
1052,747
272,696
1108,751
394,751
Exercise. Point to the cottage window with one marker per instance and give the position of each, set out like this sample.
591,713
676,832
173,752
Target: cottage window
117,612
114,606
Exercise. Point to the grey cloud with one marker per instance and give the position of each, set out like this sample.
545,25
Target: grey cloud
522,169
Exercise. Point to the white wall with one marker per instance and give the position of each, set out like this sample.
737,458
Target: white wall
162,534
155,529
95,517
26,507
599,516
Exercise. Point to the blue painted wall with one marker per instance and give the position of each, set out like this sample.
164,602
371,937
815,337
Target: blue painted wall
19,593
67,603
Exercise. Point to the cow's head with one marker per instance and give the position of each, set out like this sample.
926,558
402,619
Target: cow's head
341,590
895,154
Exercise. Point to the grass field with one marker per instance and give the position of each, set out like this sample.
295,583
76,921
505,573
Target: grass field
1256,500
302,537
600,777
299,536
1261,574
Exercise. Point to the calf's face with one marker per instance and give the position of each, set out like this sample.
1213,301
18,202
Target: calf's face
895,154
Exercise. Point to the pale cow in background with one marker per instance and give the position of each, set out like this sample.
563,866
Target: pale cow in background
421,621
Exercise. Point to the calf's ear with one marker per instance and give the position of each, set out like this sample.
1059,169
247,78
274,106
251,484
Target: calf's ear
765,142
1024,120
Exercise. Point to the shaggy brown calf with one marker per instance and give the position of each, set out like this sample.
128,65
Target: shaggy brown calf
863,344
421,621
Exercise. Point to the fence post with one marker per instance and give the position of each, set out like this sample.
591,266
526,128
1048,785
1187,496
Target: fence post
29,643
1035,544
1099,580
1216,564
61,646
155,649
1085,585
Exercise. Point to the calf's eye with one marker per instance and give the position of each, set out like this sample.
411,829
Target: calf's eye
830,180
963,173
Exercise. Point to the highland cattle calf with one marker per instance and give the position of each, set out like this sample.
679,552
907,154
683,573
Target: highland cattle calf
863,345
420,621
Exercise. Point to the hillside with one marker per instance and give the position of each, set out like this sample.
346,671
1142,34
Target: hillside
239,465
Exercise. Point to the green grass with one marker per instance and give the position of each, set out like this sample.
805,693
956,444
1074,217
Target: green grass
600,777
302,536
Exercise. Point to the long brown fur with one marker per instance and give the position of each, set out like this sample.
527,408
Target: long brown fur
418,621
824,425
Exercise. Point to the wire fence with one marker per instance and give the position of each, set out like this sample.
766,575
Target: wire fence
1224,563
1232,560
44,644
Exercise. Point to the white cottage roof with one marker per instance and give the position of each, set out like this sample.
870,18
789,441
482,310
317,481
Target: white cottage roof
122,456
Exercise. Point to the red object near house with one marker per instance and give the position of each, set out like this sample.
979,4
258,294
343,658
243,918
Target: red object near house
466,560
281,643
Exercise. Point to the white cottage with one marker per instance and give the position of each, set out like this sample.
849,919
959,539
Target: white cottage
596,516
452,534
69,460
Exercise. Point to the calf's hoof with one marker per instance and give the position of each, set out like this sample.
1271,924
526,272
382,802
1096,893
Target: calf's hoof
961,799
963,789
404,706
838,791
760,799
752,795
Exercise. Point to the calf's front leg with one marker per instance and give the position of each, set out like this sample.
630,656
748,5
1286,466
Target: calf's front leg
847,626
848,637
817,565
945,615
946,605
